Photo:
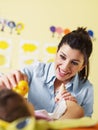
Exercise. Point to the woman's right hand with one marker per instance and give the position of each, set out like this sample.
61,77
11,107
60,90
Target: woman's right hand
11,79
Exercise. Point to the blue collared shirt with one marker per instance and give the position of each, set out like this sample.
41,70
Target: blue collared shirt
41,77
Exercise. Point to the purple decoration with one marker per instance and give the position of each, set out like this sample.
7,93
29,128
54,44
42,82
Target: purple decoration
52,29
11,24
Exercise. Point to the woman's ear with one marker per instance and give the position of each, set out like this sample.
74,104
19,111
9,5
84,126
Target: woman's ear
82,67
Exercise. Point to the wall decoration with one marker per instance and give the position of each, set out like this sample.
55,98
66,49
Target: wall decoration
29,52
66,31
2,60
5,52
53,29
19,27
11,25
49,50
91,34
59,30
4,24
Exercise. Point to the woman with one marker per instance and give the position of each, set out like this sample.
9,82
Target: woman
71,67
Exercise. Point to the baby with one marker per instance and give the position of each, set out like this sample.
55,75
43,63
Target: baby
14,106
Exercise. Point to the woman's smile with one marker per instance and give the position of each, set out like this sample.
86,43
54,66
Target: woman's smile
62,73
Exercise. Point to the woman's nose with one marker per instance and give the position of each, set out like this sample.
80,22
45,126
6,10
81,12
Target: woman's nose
66,65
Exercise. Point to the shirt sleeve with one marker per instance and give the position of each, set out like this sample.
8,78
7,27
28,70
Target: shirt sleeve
29,71
88,101
34,70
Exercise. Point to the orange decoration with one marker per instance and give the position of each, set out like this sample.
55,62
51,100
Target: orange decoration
66,31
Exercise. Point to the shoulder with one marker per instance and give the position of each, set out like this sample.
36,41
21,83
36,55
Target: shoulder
86,84
87,89
41,66
37,68
80,85
80,82
35,65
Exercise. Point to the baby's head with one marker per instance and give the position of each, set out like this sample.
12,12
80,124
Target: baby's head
13,106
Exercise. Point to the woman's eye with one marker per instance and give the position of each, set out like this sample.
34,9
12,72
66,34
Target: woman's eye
62,57
74,63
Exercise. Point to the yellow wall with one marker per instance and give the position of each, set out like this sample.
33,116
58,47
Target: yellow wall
39,15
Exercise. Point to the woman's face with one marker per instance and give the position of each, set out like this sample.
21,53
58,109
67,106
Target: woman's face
68,62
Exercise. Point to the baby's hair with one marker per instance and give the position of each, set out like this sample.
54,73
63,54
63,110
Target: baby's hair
12,106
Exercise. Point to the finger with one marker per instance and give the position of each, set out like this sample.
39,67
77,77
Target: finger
12,80
20,76
71,98
17,75
65,94
4,82
2,85
25,77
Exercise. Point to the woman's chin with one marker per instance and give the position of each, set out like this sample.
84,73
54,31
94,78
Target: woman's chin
63,78
60,78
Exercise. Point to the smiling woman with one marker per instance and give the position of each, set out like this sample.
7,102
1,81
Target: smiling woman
70,67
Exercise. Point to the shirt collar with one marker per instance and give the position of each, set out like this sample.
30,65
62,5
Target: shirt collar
76,83
73,84
51,73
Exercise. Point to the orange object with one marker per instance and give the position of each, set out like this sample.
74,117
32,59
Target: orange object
66,31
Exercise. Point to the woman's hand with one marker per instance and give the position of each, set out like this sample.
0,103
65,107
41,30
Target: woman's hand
11,79
66,96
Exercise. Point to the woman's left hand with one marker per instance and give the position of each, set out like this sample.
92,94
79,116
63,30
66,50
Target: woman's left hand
68,96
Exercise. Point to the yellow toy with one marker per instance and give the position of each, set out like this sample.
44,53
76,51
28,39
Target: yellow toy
22,88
